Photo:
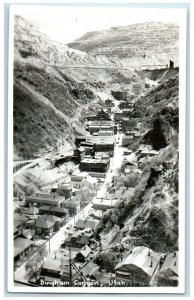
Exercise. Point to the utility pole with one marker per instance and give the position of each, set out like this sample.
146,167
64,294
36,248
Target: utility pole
70,268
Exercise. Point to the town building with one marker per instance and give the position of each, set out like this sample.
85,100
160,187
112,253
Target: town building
125,105
32,211
138,267
168,274
19,223
72,204
53,200
63,190
79,153
22,246
86,224
79,182
104,204
77,240
109,103
83,254
44,226
94,165
53,268
127,140
127,112
128,124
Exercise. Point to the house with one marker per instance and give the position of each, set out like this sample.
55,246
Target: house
54,266
28,234
109,103
168,274
103,204
128,124
88,147
127,112
63,190
148,153
90,269
117,116
77,240
80,153
79,181
30,224
44,226
95,165
83,254
107,132
72,204
19,223
127,140
138,267
96,215
126,105
87,223
144,147
32,211
21,248
53,200
44,209
60,212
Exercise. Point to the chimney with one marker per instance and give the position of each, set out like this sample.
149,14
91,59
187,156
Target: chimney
54,196
149,252
151,264
175,263
174,254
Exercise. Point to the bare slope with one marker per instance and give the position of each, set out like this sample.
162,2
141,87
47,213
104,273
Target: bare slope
136,44
50,99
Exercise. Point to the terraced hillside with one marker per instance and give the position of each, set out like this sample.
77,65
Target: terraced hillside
136,45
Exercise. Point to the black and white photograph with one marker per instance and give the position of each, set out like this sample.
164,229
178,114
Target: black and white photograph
96,150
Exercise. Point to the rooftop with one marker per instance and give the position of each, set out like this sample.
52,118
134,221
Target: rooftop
88,223
45,198
95,161
170,264
142,258
85,251
20,244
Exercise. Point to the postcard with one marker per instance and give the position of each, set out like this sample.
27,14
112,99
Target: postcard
96,112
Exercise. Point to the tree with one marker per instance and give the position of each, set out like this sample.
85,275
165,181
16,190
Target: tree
43,252
33,267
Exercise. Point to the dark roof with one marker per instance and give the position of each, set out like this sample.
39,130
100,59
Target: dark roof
45,198
60,209
92,224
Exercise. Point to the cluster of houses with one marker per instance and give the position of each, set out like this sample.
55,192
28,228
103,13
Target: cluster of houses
45,213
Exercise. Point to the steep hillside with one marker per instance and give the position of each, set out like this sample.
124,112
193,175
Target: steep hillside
136,44
51,97
158,110
150,215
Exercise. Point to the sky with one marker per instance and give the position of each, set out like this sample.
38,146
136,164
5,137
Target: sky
65,24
